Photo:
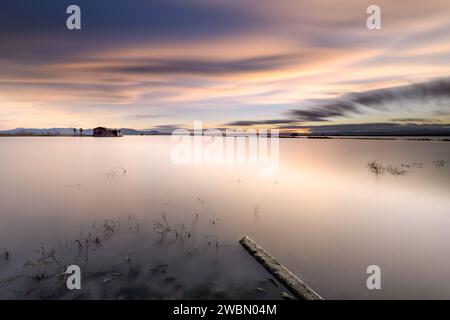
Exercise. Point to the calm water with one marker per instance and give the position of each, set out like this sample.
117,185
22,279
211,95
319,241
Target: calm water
324,215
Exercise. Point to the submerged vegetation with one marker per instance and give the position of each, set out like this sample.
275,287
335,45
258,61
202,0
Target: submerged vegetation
154,261
440,163
5,254
116,172
380,169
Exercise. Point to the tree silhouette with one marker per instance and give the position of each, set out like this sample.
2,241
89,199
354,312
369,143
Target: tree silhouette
81,132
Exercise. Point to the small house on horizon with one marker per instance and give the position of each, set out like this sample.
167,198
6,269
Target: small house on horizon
105,132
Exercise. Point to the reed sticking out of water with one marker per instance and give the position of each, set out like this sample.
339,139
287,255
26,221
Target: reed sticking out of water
5,254
116,172
180,231
380,169
163,227
440,163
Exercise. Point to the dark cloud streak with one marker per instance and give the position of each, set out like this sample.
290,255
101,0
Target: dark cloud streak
368,129
201,67
255,123
355,103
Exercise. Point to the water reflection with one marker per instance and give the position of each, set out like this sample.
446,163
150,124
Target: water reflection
325,215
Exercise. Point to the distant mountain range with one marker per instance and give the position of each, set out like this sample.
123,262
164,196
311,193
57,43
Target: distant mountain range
69,132
366,130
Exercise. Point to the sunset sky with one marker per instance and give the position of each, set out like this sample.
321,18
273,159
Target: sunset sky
282,64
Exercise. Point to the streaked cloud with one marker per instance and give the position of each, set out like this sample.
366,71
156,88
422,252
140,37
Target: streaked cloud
150,63
432,97
202,67
244,123
362,129
434,93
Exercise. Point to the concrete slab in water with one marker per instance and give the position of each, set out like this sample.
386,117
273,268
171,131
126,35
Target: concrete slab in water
290,280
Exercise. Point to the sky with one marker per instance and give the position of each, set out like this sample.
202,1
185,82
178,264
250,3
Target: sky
287,64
